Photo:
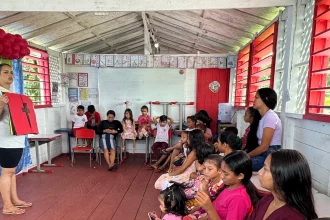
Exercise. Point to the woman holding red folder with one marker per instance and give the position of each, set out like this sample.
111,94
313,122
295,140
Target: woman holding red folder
11,149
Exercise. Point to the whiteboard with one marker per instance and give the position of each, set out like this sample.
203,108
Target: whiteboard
139,86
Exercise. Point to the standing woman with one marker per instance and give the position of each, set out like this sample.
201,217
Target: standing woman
11,149
287,176
269,131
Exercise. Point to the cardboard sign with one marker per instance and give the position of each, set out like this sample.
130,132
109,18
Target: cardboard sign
22,115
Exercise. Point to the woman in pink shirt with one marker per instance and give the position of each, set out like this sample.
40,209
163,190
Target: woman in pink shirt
287,176
234,200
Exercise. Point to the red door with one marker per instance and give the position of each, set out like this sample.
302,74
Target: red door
208,100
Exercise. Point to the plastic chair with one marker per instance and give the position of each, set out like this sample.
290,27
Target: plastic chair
119,155
154,132
83,134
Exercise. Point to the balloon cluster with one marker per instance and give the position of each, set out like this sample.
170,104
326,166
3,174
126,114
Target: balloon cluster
13,46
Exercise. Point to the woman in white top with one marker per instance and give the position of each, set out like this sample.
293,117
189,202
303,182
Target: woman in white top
269,131
11,149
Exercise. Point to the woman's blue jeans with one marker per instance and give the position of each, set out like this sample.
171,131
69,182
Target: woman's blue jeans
258,161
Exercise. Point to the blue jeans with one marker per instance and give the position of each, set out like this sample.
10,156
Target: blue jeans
258,161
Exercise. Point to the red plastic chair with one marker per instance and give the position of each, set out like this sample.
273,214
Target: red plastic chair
83,134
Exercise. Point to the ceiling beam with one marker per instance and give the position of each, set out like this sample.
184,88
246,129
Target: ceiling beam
175,50
112,40
177,42
230,31
181,25
130,47
134,5
192,38
184,49
132,50
123,20
107,34
58,25
147,45
116,47
16,17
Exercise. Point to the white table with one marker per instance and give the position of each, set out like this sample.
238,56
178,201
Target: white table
41,139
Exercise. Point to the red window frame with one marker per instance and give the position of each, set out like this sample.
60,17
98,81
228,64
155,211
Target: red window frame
319,65
259,58
38,73
262,64
242,74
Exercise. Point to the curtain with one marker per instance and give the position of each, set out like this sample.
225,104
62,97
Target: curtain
18,87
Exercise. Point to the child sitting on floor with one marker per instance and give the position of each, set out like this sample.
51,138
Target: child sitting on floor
183,141
128,129
172,202
207,136
210,181
144,121
161,140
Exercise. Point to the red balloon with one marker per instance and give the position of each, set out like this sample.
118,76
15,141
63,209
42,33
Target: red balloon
27,51
2,34
11,37
1,49
15,56
25,42
15,47
6,53
21,43
17,37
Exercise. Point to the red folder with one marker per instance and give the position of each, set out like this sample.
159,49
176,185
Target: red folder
22,115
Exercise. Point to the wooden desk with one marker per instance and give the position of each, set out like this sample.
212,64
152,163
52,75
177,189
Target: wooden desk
41,139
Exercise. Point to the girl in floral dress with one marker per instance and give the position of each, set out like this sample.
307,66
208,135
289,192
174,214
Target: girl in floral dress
144,122
129,129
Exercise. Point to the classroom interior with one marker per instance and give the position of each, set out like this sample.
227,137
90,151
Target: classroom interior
176,58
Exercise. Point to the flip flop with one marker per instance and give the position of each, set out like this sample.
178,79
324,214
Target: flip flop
14,212
24,205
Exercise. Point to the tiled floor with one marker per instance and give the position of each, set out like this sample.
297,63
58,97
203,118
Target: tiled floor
90,193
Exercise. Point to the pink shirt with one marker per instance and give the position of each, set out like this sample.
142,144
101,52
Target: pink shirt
171,217
233,204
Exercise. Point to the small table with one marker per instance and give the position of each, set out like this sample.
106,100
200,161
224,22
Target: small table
69,132
41,139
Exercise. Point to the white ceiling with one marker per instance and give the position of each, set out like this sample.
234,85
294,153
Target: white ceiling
208,31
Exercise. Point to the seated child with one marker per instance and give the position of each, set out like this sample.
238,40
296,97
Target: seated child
172,202
144,121
207,136
161,140
129,131
210,181
183,141
79,121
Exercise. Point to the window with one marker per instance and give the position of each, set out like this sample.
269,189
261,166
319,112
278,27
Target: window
318,89
263,61
242,73
36,78
256,67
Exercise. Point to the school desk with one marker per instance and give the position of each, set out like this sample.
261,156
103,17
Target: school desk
42,139
70,134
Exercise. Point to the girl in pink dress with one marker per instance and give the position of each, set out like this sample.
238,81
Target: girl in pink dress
144,122
129,129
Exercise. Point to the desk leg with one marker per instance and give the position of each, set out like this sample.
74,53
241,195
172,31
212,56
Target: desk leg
69,144
147,150
49,164
39,170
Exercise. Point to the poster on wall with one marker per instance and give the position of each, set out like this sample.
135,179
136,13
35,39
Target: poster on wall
231,61
205,62
190,62
82,79
126,61
213,62
157,61
165,61
73,94
73,107
118,61
93,93
85,104
173,62
79,58
87,59
102,61
95,60
109,60
73,79
65,79
182,62
83,94
198,62
69,59
135,61
142,61
150,60
222,62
